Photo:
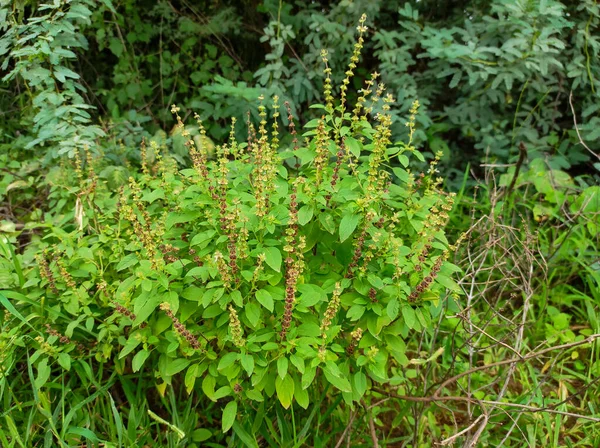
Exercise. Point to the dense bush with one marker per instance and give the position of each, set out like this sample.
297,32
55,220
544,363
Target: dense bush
489,75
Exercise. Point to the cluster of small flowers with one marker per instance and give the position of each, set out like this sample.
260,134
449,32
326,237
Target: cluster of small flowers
251,136
358,246
362,29
142,228
377,179
180,328
356,336
432,186
322,157
46,272
294,247
361,101
143,157
90,174
236,328
428,280
64,274
260,267
125,312
167,250
336,169
265,169
331,311
196,258
327,88
234,149
372,249
223,269
61,337
410,124
198,155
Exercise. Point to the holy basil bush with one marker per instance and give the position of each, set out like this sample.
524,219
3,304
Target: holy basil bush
281,262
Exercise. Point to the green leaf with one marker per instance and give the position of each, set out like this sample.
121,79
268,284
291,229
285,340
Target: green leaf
229,414
200,435
297,362
44,371
247,362
375,281
353,145
190,378
282,367
348,225
273,258
139,359
252,311
64,359
285,390
265,299
355,312
227,360
305,214
144,305
176,365
338,381
127,261
393,308
208,386
202,237
308,377
409,316
244,436
154,195
447,282
301,395
311,295
360,383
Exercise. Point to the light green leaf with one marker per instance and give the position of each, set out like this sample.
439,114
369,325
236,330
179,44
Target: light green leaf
252,311
348,225
393,308
282,367
353,145
285,390
273,258
265,299
409,316
176,365
305,214
139,359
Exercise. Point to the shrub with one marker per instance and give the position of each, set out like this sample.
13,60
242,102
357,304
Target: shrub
278,266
